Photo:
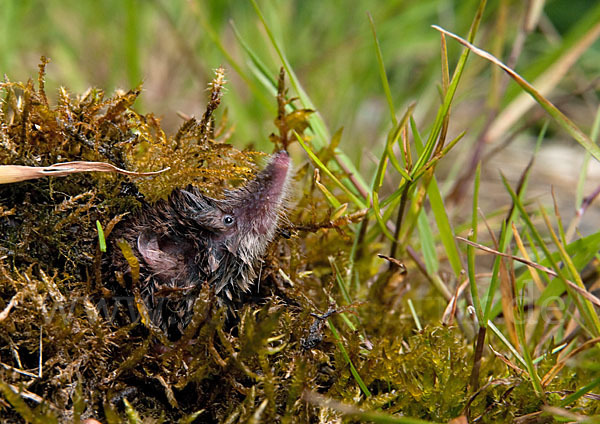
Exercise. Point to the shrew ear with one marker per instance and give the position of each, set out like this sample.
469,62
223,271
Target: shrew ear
193,199
163,261
203,211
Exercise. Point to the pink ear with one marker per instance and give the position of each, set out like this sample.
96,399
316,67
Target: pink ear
161,262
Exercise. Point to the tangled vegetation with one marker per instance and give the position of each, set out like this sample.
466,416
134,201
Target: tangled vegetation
350,319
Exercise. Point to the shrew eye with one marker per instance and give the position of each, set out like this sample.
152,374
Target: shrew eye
228,220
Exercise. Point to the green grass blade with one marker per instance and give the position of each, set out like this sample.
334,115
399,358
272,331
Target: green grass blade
380,220
333,201
584,167
214,37
471,250
586,307
381,168
393,137
506,342
520,323
382,73
360,203
506,237
413,312
579,393
341,283
427,243
444,227
262,71
552,110
101,239
317,124
441,218
591,316
353,370
131,40
449,95
581,252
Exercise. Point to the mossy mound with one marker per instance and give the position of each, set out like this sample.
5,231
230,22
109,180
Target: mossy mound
71,348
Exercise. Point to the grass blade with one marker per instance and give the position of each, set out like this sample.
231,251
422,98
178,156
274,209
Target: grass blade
579,393
382,73
471,250
353,370
520,322
360,203
317,124
552,110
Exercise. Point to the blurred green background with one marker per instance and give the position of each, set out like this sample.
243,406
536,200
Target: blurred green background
171,47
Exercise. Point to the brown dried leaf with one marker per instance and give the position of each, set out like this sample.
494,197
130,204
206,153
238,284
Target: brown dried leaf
16,173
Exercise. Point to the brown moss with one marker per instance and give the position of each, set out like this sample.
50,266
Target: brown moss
94,355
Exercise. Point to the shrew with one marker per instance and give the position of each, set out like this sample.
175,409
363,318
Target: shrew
191,239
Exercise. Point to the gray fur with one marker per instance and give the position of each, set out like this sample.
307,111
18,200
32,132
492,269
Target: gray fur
192,239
